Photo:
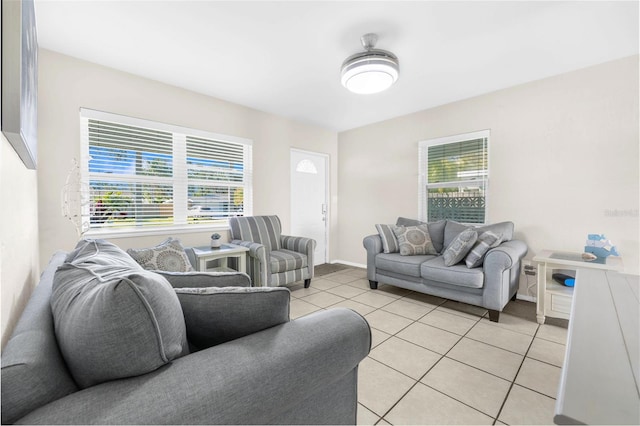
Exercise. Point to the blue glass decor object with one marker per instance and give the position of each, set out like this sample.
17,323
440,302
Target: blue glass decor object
600,246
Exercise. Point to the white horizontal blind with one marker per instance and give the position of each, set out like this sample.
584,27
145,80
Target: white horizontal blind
217,177
454,174
154,175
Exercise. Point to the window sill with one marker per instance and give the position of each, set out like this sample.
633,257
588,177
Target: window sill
164,230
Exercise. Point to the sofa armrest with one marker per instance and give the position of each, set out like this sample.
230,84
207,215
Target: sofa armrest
258,262
501,273
301,245
206,279
506,254
259,379
373,244
216,315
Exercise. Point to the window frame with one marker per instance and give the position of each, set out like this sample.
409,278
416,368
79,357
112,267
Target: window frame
423,149
180,166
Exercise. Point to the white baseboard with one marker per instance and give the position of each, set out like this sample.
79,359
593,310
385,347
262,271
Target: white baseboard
526,298
344,262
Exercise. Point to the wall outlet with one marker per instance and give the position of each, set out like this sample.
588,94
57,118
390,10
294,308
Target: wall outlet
528,268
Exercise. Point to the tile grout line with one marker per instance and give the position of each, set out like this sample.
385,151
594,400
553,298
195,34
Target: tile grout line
513,382
449,311
427,372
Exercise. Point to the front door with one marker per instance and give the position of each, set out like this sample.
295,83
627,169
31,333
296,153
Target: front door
309,209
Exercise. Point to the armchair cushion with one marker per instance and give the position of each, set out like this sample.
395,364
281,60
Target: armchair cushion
265,230
113,321
166,256
286,260
215,315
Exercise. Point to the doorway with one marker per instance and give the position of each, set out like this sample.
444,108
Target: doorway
309,199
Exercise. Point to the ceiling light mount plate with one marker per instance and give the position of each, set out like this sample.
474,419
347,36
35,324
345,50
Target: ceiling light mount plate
371,71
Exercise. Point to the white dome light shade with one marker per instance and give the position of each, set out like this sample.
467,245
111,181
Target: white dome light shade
370,73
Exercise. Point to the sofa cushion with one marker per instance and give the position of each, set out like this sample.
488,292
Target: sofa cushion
451,231
435,270
459,247
453,228
388,239
167,256
414,240
405,221
113,320
284,260
504,229
215,315
406,265
487,240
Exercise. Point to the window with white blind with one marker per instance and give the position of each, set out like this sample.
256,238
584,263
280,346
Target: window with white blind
454,177
143,175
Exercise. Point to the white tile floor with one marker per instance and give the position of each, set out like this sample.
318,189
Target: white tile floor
435,361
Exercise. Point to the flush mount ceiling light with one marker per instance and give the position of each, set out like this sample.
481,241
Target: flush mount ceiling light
371,71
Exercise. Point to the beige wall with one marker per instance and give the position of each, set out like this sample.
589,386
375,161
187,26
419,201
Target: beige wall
563,154
18,236
67,84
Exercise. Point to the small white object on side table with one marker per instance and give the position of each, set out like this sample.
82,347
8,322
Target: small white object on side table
206,254
554,299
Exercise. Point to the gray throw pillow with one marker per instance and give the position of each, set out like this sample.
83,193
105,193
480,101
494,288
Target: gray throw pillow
166,256
459,247
405,221
215,315
453,228
486,240
504,229
112,320
389,241
414,240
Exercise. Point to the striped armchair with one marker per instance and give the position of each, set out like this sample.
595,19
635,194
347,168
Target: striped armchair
274,259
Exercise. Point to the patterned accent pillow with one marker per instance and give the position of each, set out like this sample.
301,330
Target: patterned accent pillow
459,247
487,240
414,240
389,241
166,256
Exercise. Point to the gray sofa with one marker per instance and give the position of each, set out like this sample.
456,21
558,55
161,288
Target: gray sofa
274,371
490,286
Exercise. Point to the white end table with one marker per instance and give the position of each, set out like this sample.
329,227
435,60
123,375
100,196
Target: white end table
554,299
206,254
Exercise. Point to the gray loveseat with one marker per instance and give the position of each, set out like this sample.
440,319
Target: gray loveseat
490,286
274,371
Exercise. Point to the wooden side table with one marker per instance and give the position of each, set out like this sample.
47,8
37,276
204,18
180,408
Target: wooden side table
555,299
206,254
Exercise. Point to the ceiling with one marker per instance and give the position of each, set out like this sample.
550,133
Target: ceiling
285,57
